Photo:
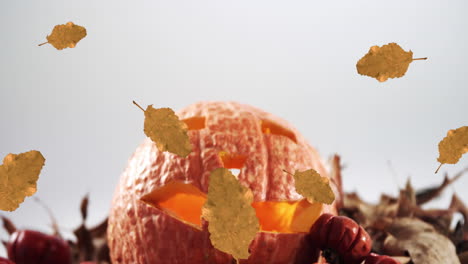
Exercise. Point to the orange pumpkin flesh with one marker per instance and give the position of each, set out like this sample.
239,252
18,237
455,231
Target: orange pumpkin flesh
155,214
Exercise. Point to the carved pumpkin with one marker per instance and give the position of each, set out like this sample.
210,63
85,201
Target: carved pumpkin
155,215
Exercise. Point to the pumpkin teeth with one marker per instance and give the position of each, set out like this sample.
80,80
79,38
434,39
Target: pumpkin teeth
235,172
232,160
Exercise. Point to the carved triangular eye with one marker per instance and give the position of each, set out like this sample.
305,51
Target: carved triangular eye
195,123
270,127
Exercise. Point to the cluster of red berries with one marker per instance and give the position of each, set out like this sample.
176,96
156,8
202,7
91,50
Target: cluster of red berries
33,247
345,238
339,234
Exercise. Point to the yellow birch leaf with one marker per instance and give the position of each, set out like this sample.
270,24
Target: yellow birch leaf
18,177
314,187
453,146
165,129
65,36
232,221
388,61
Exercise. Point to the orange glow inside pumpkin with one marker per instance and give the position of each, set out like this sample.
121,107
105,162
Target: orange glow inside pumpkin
195,123
185,201
269,127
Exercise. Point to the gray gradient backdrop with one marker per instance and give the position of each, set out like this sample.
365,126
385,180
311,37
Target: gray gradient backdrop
295,59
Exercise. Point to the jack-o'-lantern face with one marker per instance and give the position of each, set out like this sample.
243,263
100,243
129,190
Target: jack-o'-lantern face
165,193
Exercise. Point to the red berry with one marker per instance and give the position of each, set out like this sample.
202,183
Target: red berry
343,235
5,261
360,248
318,232
32,247
373,258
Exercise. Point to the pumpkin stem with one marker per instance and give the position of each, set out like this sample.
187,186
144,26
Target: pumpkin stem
135,103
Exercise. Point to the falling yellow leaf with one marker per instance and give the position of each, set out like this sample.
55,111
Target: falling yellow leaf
453,146
18,177
232,221
314,187
65,36
388,61
166,130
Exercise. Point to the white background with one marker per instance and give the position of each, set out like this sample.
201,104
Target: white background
295,59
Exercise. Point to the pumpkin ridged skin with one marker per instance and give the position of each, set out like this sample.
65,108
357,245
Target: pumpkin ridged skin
139,233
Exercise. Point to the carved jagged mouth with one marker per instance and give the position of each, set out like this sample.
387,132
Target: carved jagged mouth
185,201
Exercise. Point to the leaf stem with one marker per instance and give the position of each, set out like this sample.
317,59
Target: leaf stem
438,168
43,43
135,103
420,58
288,172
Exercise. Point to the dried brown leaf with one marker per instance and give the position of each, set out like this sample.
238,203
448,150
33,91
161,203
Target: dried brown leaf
462,246
387,207
8,225
335,175
407,201
458,206
166,130
91,243
18,176
388,61
65,36
232,221
453,146
84,207
463,258
457,234
314,187
420,241
84,243
100,230
425,195
402,259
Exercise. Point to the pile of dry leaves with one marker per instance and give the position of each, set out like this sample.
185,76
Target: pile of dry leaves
400,227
